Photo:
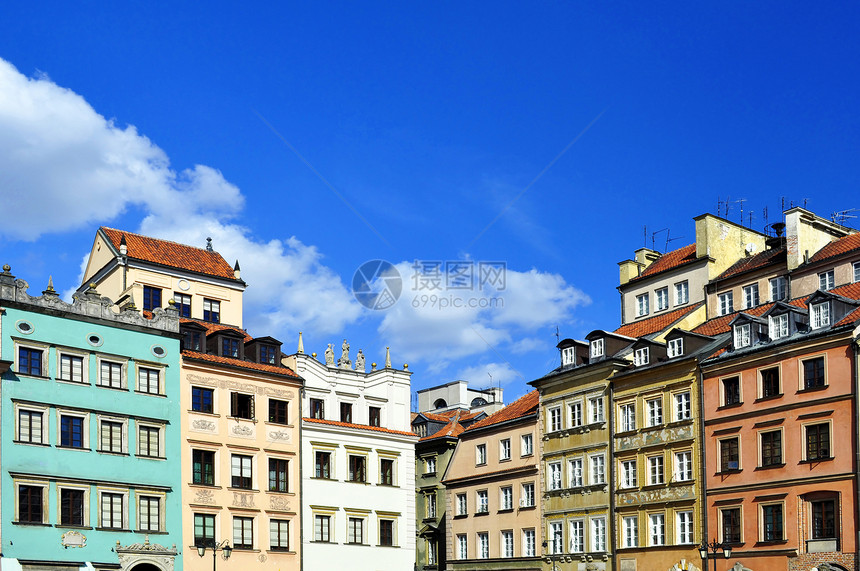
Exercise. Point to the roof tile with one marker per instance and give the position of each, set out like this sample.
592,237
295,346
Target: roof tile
657,323
272,369
361,426
215,327
669,261
837,247
521,407
775,256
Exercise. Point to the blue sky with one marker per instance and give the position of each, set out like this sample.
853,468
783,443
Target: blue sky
307,139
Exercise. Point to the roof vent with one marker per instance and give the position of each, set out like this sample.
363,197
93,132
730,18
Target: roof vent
209,245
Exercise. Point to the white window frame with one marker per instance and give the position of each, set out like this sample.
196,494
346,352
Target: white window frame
124,435
596,348
655,411
675,347
683,466
556,537
597,467
526,445
124,516
568,356
480,454
778,326
554,419
483,545
529,543
627,417
683,406
505,449
656,529
684,526
63,354
507,543
856,266
576,535
725,303
820,315
161,433
506,498
574,410
630,527
161,497
598,534
159,371
682,293
462,547
641,356
527,499
462,504
826,280
778,288
751,297
742,335
482,503
596,411
123,373
574,472
554,480
642,308
656,471
661,299
628,474
42,411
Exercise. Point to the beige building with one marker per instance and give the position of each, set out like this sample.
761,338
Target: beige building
492,492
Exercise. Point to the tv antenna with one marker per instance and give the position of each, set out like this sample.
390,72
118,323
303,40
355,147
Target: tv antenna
842,216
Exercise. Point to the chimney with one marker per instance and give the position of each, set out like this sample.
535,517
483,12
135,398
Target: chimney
123,247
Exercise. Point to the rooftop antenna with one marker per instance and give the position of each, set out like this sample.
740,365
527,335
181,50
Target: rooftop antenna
842,216
727,204
741,202
764,216
645,236
750,217
557,336
654,235
805,200
671,240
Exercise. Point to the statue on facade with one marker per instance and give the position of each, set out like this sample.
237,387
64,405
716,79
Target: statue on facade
359,361
344,355
329,356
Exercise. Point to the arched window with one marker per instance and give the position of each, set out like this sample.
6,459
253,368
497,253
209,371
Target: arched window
440,403
478,401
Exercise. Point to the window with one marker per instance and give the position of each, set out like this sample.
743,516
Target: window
824,519
770,382
462,547
71,431
431,552
230,347
243,533
483,545
278,470
731,391
575,409
684,526
555,419
577,536
507,543
240,472
641,356
574,472
598,534
598,469
386,532
596,348
357,469
30,426
820,315
322,528
655,412
72,368
657,529
683,466
683,408
729,457
112,510
268,354
430,465
111,436
771,522
483,502
148,380
630,526
529,543
204,529
386,472
322,464
317,409
655,470
771,448
505,449
818,441
345,412
278,411
149,513
355,530
526,445
628,474
813,373
682,293
857,271
30,361
151,298
555,476
528,497
675,347
211,310
374,414
191,340
182,303
595,410
825,280
778,326
568,356
750,296
726,303
148,441
279,535
71,507
628,417
480,454
462,508
662,298
242,406
111,375
642,305
556,541
30,507
778,288
203,467
742,335
506,498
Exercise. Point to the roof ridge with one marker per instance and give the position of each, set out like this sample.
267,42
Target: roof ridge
161,240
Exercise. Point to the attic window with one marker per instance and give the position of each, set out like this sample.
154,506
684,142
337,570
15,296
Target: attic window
268,354
857,271
641,357
778,326
568,355
191,339
742,335
597,348
676,347
825,280
820,315
230,348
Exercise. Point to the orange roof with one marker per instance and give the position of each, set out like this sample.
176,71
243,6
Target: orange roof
450,430
837,247
851,291
720,324
669,261
352,425
852,317
215,327
523,406
273,369
760,260
657,323
171,254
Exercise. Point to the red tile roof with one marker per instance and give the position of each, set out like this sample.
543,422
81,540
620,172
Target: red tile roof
171,254
271,369
450,430
657,323
521,407
837,247
851,291
849,319
775,256
352,425
669,261
215,327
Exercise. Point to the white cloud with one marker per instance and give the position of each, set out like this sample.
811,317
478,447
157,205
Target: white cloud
488,374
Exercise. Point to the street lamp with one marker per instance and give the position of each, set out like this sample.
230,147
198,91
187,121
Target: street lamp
216,547
714,546
551,558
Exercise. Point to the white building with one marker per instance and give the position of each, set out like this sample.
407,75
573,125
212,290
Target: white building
358,464
458,395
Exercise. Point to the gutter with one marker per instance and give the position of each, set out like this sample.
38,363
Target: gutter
612,535
856,367
301,484
703,469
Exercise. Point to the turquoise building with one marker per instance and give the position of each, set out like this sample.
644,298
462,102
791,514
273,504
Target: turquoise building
90,474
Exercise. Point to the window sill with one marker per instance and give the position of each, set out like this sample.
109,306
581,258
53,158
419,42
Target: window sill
144,457
67,526
74,382
323,478
816,460
150,394
768,398
482,513
726,472
480,464
531,507
203,485
42,377
123,389
32,443
765,543
286,425
254,420
151,532
428,475
680,422
244,490
770,467
114,529
506,511
357,482
391,547
461,516
728,406
389,485
503,460
79,448
32,523
112,453
245,549
212,414
812,389
281,551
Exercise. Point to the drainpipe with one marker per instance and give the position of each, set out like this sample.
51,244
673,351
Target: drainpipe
703,468
301,480
611,462
856,367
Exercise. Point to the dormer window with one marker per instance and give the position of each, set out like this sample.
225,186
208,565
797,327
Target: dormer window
742,335
597,348
268,354
568,356
230,347
820,315
826,280
641,356
192,340
675,347
778,326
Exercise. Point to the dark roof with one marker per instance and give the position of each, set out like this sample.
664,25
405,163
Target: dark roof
775,256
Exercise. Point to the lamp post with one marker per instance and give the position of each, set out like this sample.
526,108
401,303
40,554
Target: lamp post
216,547
714,547
551,555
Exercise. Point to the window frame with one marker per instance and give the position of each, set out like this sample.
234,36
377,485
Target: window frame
198,400
151,294
630,530
527,444
642,304
279,475
150,370
661,299
680,532
597,474
725,303
246,530
726,457
242,405
204,522
682,293
31,486
31,351
770,448
211,310
149,427
596,410
63,354
627,416
480,454
826,280
243,478
766,388
751,296
84,419
506,498
778,287
576,535
356,467
276,532
596,348
111,422
628,474
683,410
656,529
111,383
656,470
113,494
206,468
641,356
683,468
737,395
84,492
482,501
504,449
818,425
31,411
140,496
820,315
737,528
777,326
654,407
772,536
279,412
574,414
805,384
